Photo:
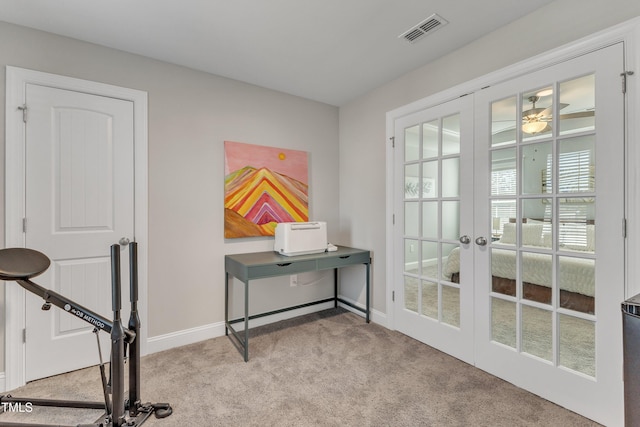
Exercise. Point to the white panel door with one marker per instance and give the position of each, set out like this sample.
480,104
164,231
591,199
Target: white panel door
433,160
550,187
79,201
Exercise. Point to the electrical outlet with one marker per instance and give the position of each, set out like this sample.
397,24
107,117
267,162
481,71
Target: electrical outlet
293,280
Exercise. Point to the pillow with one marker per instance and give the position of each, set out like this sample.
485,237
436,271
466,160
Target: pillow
591,238
532,234
534,221
508,234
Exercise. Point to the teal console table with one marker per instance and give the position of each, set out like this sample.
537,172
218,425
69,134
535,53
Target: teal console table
259,265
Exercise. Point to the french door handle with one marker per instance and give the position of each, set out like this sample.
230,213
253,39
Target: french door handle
481,241
465,240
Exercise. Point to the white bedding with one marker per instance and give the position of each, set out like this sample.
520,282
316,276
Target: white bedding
575,274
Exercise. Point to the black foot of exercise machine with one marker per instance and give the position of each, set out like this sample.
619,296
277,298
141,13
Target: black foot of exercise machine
21,265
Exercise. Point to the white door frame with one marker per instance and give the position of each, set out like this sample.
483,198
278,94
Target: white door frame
628,33
17,79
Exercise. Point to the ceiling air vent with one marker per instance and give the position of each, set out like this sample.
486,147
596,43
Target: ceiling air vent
429,25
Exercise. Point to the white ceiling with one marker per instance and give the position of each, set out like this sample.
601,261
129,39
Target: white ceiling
330,51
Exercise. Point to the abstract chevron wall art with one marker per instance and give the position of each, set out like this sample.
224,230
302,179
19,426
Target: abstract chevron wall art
262,187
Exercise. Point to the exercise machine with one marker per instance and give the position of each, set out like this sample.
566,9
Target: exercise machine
21,265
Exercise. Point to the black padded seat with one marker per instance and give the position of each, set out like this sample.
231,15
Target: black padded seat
22,263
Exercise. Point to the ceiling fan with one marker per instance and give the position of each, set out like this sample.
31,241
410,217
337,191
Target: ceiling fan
536,120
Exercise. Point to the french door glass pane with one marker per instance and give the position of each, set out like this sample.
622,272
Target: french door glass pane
411,144
534,165
503,172
576,280
577,105
412,181
502,212
451,305
576,230
537,336
578,344
538,215
411,256
410,213
504,121
411,293
503,322
429,299
451,135
451,220
503,268
430,220
430,140
576,165
430,259
537,278
450,256
451,177
430,179
537,114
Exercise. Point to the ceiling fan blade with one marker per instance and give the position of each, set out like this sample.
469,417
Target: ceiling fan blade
547,113
577,115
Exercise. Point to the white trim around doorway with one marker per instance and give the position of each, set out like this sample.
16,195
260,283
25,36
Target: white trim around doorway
16,81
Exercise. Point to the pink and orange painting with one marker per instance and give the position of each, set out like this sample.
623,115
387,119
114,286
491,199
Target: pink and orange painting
263,186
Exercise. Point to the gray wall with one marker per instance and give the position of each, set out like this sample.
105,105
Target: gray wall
190,115
362,121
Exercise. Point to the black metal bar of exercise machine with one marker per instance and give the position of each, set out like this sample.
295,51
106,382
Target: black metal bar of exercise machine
134,325
117,343
137,409
20,265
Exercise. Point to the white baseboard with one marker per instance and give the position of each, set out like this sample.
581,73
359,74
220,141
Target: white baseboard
374,315
2,383
184,337
214,330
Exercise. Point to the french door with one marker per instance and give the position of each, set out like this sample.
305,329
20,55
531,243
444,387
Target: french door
434,176
513,260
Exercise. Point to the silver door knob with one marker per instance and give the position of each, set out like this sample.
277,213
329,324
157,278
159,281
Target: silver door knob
465,240
481,241
124,241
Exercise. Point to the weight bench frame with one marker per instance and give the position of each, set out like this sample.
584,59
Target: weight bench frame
118,410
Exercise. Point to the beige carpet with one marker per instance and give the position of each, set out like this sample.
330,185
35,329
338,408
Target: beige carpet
324,369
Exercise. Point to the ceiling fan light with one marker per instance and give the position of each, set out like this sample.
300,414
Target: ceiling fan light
533,127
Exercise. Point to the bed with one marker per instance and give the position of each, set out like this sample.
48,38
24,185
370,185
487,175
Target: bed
576,275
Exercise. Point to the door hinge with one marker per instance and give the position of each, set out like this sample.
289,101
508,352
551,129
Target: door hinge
23,108
393,219
24,335
624,80
393,141
624,228
24,225
393,296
